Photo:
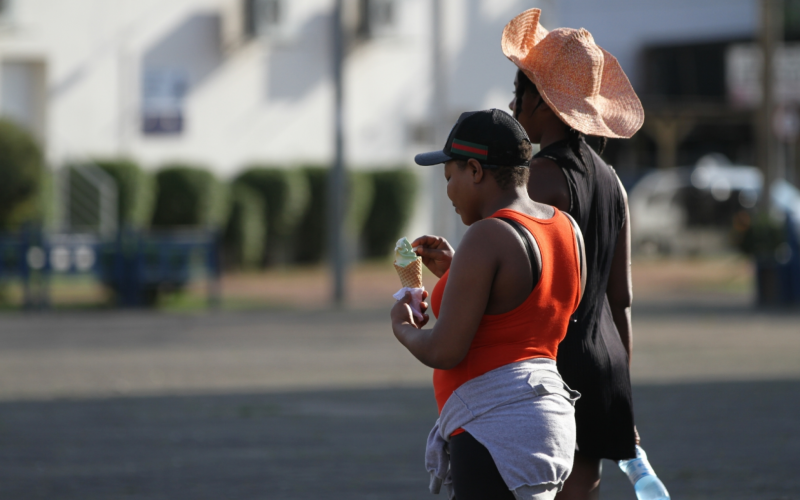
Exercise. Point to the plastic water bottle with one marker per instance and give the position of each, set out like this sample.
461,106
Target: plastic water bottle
643,478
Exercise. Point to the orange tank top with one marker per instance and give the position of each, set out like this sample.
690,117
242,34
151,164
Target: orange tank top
533,329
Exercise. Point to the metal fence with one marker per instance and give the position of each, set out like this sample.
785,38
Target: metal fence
778,277
135,265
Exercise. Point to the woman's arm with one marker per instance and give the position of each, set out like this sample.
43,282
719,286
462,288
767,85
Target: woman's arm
620,288
548,185
581,250
465,297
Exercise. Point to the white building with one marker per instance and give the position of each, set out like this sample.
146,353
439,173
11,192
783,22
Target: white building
228,82
624,27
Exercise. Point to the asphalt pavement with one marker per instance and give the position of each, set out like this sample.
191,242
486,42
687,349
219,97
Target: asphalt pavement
326,404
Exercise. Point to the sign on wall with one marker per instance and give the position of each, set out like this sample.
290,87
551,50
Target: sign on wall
743,63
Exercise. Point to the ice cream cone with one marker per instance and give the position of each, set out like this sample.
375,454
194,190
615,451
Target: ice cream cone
411,275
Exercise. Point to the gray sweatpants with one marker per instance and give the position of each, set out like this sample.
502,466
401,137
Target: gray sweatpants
524,414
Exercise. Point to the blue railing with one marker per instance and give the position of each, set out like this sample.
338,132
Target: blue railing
136,265
778,276
19,256
790,267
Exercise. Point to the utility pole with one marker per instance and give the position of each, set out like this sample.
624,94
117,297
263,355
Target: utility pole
771,29
336,178
444,223
438,73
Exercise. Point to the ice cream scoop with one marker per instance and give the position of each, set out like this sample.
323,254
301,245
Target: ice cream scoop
404,253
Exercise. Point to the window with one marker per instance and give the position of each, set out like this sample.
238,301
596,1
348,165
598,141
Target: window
422,133
23,93
686,72
6,11
263,17
163,93
791,20
377,17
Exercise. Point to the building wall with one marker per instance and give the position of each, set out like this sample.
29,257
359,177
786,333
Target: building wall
270,100
624,27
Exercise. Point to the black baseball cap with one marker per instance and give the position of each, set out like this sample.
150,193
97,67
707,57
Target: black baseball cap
491,136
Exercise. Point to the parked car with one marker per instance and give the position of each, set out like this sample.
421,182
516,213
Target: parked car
690,210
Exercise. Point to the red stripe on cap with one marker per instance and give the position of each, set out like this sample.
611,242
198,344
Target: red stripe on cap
469,148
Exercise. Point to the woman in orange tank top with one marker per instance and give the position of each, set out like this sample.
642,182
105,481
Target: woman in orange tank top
503,304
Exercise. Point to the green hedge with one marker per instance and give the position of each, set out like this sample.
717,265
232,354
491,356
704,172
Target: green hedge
136,191
245,232
286,193
48,205
395,192
759,235
189,196
360,199
310,239
21,175
310,243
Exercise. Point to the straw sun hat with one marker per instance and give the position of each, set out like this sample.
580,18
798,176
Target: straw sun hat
582,83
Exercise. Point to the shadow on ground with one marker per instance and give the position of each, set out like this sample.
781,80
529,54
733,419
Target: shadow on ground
714,440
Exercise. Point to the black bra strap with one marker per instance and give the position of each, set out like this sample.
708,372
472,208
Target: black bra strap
525,241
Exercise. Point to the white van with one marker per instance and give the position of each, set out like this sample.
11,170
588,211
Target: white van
689,210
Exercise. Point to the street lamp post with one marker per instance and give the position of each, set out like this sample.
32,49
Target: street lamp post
336,179
770,36
444,220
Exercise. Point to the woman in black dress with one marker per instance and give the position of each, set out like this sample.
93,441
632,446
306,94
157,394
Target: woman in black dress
566,88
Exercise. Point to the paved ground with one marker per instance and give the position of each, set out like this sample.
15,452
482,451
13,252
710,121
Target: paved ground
307,405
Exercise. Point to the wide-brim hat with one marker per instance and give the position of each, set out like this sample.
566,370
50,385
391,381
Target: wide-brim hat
582,83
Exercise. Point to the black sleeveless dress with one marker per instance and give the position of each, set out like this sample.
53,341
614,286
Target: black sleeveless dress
591,358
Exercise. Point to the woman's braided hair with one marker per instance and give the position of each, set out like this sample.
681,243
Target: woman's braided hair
574,137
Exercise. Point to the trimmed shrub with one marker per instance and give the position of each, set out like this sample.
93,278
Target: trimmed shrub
286,193
21,175
393,205
189,196
311,236
311,239
245,233
360,198
48,207
758,235
136,191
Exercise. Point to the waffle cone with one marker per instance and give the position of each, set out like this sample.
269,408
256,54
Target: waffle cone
411,275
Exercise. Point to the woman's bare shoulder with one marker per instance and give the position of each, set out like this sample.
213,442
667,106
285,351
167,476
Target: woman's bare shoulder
483,236
547,184
544,164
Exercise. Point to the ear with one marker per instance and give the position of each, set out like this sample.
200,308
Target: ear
476,169
543,108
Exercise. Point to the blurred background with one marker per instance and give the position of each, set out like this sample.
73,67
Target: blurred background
199,200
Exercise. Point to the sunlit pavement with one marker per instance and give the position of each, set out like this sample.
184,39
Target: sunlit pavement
302,405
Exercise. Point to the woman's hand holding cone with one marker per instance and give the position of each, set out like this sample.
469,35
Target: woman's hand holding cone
401,312
436,253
